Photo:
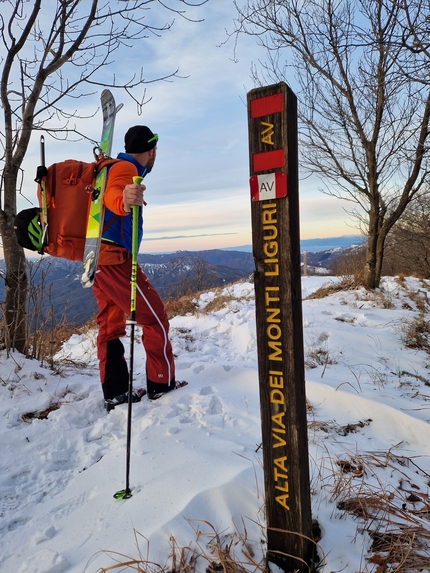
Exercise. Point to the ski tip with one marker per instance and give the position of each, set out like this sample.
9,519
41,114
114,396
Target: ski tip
123,494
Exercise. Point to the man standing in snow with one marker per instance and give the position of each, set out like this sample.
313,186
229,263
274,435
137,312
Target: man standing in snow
112,283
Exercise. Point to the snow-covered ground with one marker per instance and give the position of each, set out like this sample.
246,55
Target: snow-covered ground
195,456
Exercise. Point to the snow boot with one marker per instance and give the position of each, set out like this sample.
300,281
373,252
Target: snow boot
156,395
136,396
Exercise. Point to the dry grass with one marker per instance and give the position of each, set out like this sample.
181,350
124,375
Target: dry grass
212,552
317,353
188,304
416,333
181,306
55,404
55,341
318,357
333,427
346,283
420,300
395,518
375,298
418,297
362,293
386,493
220,301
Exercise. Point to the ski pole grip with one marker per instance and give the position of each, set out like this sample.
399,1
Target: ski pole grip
138,180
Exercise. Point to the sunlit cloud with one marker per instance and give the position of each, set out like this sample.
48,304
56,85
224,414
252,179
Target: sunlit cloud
174,237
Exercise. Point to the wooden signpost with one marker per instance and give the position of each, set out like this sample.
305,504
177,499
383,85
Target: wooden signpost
272,120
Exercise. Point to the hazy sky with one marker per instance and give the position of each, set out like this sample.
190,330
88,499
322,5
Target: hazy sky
198,192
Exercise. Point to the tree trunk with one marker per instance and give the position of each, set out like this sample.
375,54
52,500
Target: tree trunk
14,334
370,266
380,251
376,237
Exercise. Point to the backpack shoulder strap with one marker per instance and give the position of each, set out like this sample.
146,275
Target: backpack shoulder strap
104,162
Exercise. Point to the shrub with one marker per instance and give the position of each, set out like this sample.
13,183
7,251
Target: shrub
416,333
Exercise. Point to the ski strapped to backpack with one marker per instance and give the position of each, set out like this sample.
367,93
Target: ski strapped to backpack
96,213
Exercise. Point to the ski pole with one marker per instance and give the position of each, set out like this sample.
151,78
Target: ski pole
126,493
40,179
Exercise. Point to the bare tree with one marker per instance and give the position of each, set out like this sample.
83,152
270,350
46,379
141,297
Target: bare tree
363,110
61,49
202,276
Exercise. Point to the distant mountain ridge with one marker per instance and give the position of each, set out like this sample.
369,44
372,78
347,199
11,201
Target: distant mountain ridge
317,245
329,243
170,273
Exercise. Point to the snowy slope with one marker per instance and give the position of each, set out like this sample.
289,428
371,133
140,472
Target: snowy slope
195,460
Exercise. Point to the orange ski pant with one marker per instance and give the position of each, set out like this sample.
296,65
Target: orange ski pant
112,292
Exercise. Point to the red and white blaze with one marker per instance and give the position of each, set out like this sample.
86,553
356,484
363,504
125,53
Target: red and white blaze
268,186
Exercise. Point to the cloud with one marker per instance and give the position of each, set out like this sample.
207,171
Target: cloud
189,236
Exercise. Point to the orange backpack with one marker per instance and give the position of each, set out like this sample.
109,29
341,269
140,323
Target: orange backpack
69,188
